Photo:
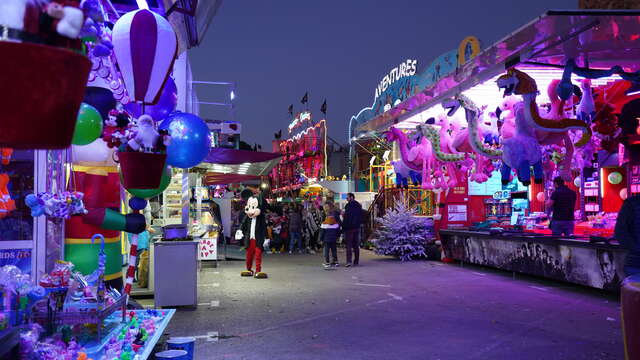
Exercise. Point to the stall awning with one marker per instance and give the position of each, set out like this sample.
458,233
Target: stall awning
240,162
215,178
232,156
602,38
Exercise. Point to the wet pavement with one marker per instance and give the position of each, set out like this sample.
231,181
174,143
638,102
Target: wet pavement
386,309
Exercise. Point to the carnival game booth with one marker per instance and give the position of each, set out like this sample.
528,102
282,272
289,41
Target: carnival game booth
70,149
558,97
223,173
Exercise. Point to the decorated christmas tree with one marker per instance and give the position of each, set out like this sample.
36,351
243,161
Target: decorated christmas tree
402,234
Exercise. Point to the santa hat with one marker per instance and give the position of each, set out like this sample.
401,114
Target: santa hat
71,23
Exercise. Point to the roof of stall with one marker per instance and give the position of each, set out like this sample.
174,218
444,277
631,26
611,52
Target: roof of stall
240,162
603,38
189,18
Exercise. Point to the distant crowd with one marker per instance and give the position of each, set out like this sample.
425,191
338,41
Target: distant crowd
311,226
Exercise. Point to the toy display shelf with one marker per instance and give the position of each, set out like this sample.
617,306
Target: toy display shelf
172,201
79,316
95,349
9,339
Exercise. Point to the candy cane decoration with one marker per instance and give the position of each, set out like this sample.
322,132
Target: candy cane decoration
131,270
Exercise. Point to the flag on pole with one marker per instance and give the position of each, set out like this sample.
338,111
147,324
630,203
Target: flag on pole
291,109
305,98
323,108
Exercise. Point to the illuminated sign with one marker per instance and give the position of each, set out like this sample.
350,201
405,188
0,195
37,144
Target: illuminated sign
502,195
468,49
300,119
403,82
405,69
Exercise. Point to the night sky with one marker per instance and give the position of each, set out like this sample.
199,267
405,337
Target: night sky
335,49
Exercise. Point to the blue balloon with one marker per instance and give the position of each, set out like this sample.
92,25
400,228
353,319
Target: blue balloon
190,139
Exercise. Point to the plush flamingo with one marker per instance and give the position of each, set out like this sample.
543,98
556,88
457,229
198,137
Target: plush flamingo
516,82
417,157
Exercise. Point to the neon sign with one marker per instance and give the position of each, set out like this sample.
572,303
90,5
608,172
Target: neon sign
300,119
403,82
405,69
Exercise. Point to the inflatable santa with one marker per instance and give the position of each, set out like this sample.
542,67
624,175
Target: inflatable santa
40,21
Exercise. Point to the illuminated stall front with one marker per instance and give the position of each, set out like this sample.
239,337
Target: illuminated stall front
563,65
304,155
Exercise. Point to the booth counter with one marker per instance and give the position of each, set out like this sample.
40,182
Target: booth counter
574,260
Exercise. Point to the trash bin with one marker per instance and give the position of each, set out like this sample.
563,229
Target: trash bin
183,343
172,354
176,273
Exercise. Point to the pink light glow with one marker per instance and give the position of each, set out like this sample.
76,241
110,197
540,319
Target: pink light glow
487,93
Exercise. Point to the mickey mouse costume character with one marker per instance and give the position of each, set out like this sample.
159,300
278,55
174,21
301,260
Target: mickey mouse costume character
253,230
116,128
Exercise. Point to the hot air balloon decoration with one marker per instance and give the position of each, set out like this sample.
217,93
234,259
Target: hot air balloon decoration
144,45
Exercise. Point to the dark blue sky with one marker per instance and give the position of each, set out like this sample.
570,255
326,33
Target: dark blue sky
335,49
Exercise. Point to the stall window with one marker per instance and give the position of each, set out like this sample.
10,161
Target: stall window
16,224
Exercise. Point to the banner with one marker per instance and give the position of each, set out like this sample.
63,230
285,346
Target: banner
20,258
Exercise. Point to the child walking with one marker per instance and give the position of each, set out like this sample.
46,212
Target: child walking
329,233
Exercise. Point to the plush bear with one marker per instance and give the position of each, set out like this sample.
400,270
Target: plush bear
253,230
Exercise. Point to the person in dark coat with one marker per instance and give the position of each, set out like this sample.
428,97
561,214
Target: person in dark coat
351,225
563,201
627,232
295,228
253,230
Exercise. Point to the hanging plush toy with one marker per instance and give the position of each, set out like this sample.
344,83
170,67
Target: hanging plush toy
116,128
253,230
56,206
146,135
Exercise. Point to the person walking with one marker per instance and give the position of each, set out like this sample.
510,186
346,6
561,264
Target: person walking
351,225
627,232
295,228
329,233
562,203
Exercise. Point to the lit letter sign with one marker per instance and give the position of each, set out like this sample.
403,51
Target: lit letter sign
405,69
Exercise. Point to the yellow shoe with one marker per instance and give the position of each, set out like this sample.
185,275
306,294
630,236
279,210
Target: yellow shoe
246,273
261,275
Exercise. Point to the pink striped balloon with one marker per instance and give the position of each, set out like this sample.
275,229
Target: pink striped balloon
145,45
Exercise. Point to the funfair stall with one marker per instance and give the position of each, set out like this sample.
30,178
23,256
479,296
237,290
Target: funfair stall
81,154
558,97
304,154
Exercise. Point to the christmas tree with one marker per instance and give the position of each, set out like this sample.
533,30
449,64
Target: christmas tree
402,234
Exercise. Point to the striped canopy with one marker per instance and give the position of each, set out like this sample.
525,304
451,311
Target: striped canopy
145,46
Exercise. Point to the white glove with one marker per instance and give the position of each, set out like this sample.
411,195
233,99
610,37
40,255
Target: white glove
266,244
239,235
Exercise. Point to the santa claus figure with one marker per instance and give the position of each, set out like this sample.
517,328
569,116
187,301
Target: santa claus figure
40,21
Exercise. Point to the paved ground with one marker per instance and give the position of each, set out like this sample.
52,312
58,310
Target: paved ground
391,310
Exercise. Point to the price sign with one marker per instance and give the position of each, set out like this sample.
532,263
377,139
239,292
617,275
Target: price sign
502,195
